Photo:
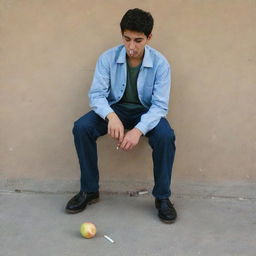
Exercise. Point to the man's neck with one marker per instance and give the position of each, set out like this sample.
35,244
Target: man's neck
134,62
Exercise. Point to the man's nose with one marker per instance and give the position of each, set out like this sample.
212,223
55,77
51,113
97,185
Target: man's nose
131,46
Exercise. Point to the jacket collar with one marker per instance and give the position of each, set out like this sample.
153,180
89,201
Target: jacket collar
147,60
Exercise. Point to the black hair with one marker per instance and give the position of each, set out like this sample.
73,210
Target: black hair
137,20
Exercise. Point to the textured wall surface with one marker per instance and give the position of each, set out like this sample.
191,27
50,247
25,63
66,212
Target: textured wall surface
48,51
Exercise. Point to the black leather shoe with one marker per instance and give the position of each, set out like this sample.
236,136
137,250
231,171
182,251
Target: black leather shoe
79,202
166,211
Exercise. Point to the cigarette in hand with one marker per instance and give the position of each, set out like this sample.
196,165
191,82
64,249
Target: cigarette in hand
118,146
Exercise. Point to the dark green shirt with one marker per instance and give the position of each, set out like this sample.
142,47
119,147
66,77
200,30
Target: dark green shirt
130,99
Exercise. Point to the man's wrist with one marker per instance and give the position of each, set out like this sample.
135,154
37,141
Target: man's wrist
138,131
109,116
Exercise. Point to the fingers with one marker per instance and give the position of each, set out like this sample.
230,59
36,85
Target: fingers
116,133
111,132
126,144
122,145
121,136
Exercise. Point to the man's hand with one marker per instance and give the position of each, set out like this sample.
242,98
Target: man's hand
131,139
115,127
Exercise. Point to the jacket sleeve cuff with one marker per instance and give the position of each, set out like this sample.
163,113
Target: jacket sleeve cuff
142,128
106,111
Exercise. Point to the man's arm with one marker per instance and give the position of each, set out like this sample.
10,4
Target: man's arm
98,98
160,101
100,88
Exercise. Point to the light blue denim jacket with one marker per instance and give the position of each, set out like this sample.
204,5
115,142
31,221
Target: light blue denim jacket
153,84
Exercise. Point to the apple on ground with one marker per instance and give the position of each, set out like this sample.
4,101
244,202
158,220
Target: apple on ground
88,230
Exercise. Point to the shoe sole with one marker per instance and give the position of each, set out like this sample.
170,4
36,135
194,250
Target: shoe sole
80,210
167,221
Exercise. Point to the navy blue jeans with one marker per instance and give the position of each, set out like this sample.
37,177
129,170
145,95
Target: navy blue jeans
161,139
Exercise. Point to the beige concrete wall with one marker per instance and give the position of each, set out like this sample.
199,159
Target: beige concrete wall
48,51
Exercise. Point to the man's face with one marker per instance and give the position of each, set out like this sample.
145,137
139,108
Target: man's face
134,43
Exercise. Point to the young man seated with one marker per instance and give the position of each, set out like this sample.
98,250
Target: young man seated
130,90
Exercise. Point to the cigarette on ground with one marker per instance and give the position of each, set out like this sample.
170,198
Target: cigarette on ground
117,147
143,192
109,239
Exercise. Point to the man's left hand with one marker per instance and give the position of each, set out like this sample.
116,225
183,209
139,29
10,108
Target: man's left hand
131,139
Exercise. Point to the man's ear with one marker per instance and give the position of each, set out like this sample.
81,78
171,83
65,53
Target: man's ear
149,37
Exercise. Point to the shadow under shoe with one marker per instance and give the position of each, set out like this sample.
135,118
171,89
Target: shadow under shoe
79,202
166,211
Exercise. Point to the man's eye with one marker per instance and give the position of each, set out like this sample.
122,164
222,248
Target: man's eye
138,41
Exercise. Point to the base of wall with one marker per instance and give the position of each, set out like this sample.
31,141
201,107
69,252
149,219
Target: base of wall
179,188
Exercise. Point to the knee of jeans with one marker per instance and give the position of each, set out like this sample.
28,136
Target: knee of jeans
80,127
168,135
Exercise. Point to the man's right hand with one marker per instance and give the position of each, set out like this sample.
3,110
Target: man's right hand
115,127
